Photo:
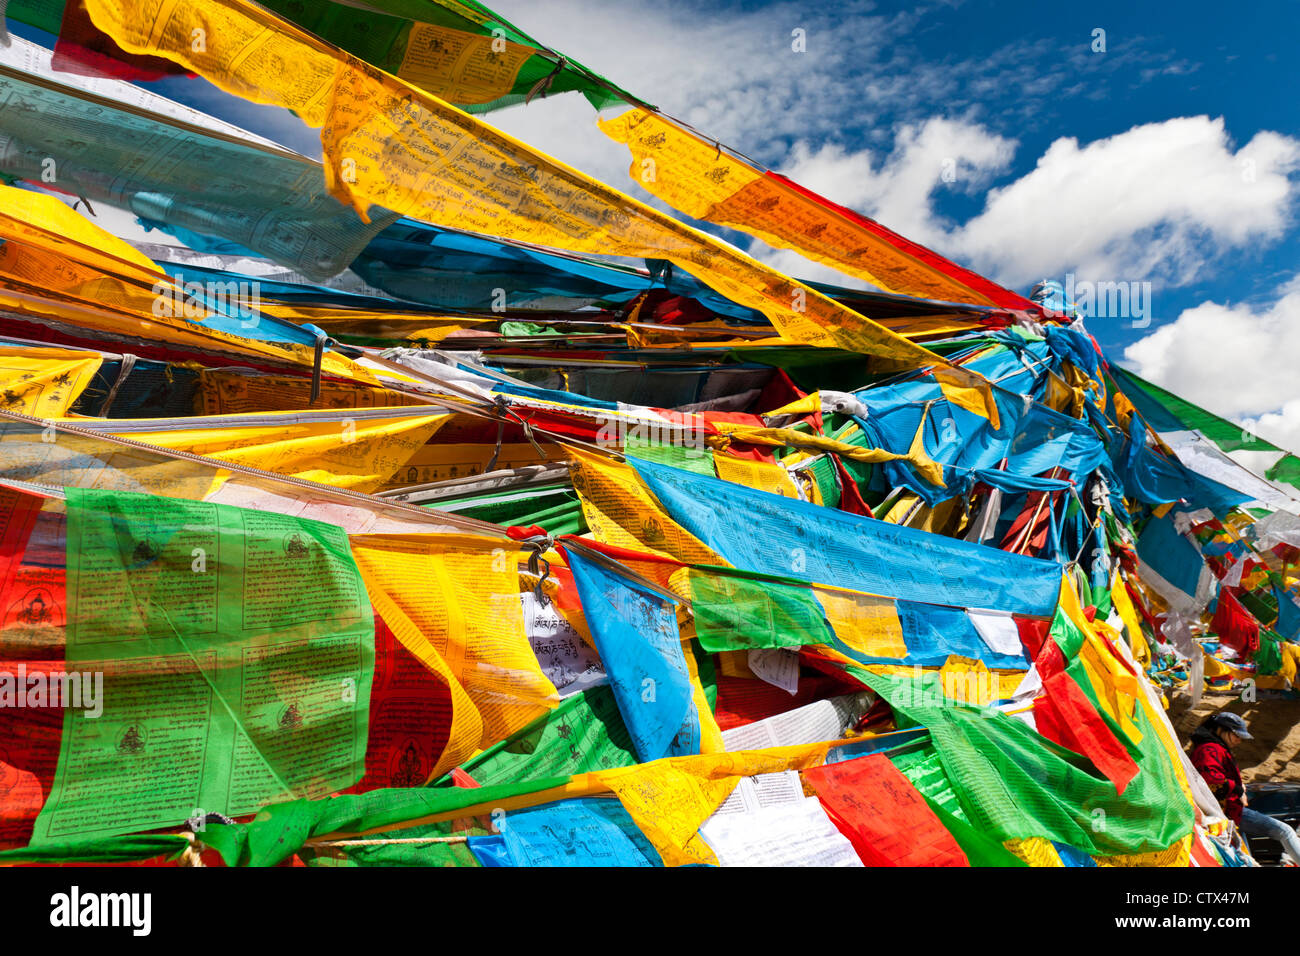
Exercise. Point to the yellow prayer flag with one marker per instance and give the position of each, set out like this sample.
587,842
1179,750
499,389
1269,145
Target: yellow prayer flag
916,455
86,278
669,799
389,144
236,391
704,182
762,475
1123,604
866,623
965,389
360,454
1177,855
808,405
44,382
621,511
710,732
57,219
1035,851
461,595
1114,685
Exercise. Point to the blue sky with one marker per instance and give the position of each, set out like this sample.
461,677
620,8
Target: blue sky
1173,157
1234,61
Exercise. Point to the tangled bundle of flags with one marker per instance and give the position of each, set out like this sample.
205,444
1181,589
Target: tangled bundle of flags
437,504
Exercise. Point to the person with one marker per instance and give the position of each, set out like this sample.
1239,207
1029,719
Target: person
1212,746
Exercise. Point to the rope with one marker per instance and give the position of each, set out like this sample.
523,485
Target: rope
502,406
407,840
318,356
538,566
124,372
543,86
192,855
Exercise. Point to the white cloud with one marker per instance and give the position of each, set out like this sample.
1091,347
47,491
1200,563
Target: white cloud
855,119
733,73
1238,361
1158,202
1281,427
729,69
730,73
936,154
792,264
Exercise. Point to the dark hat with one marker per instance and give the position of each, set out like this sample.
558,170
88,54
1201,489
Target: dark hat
1229,721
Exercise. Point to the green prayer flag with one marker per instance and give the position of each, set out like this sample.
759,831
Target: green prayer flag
235,651
279,831
113,849
734,612
584,733
979,847
1014,784
459,51
697,459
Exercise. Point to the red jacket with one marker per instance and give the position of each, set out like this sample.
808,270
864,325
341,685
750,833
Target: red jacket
1217,766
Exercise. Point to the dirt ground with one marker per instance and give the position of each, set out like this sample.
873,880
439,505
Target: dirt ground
1273,754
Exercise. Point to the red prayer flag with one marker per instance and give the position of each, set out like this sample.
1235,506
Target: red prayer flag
1065,715
742,701
1201,856
1236,627
983,287
84,49
882,814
